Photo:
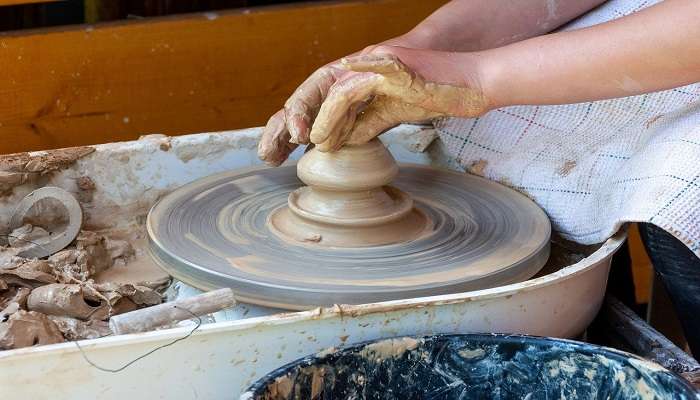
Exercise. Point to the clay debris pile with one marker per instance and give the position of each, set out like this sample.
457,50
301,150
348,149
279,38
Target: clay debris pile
51,300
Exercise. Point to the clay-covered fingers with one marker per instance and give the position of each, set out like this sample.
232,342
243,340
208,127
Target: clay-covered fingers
383,114
338,112
372,121
274,146
377,63
303,105
298,116
340,135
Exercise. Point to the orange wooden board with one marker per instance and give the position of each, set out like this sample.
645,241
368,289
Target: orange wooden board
175,75
18,2
642,269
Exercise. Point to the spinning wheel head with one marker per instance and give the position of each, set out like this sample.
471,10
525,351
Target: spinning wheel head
348,237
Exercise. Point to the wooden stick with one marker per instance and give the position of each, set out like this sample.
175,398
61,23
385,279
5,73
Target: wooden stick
150,318
648,342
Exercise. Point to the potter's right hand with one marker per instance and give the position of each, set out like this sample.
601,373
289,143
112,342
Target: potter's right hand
291,126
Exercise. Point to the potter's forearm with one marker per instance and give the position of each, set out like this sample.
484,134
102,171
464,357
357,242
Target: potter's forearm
471,25
655,49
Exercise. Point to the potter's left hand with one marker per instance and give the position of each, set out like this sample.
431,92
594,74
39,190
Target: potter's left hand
396,85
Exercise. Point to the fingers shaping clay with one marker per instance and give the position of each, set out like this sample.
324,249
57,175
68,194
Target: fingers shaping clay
353,230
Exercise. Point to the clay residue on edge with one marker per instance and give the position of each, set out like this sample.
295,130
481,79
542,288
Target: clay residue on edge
389,348
163,140
281,388
213,147
566,168
20,168
478,167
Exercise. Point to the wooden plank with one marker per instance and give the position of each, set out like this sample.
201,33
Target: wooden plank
661,314
642,269
19,2
176,75
648,342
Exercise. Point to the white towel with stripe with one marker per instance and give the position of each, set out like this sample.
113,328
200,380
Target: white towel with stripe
595,166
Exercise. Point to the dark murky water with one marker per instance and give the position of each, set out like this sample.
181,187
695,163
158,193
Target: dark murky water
472,367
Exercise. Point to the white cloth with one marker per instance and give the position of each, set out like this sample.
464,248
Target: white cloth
594,166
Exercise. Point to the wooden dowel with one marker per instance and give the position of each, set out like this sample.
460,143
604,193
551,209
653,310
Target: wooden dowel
153,317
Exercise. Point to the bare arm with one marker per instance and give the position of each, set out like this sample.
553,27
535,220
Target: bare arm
460,25
654,49
471,25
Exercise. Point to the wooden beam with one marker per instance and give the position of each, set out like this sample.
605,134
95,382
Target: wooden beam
19,2
642,269
175,75
648,342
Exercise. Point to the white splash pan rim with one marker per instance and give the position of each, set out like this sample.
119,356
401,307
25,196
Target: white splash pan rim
569,272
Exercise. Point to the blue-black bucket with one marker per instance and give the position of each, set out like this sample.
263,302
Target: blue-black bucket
471,367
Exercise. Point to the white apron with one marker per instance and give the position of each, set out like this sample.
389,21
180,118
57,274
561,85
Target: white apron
594,166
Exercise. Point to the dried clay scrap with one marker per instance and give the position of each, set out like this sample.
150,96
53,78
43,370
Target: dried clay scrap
57,297
52,300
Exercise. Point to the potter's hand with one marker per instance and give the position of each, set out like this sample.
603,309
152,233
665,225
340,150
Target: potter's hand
457,26
385,92
291,125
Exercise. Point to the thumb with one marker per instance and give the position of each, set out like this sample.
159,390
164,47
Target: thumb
373,121
377,63
383,114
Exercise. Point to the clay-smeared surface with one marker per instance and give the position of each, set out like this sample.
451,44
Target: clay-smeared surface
21,168
471,367
48,300
214,233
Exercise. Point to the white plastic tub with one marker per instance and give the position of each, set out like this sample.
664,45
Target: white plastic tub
220,359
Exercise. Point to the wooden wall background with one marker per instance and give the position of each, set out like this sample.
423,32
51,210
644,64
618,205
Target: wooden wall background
85,84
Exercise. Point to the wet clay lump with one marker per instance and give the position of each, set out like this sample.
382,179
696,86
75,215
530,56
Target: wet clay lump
348,201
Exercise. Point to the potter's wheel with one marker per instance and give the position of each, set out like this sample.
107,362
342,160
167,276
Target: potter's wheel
214,232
